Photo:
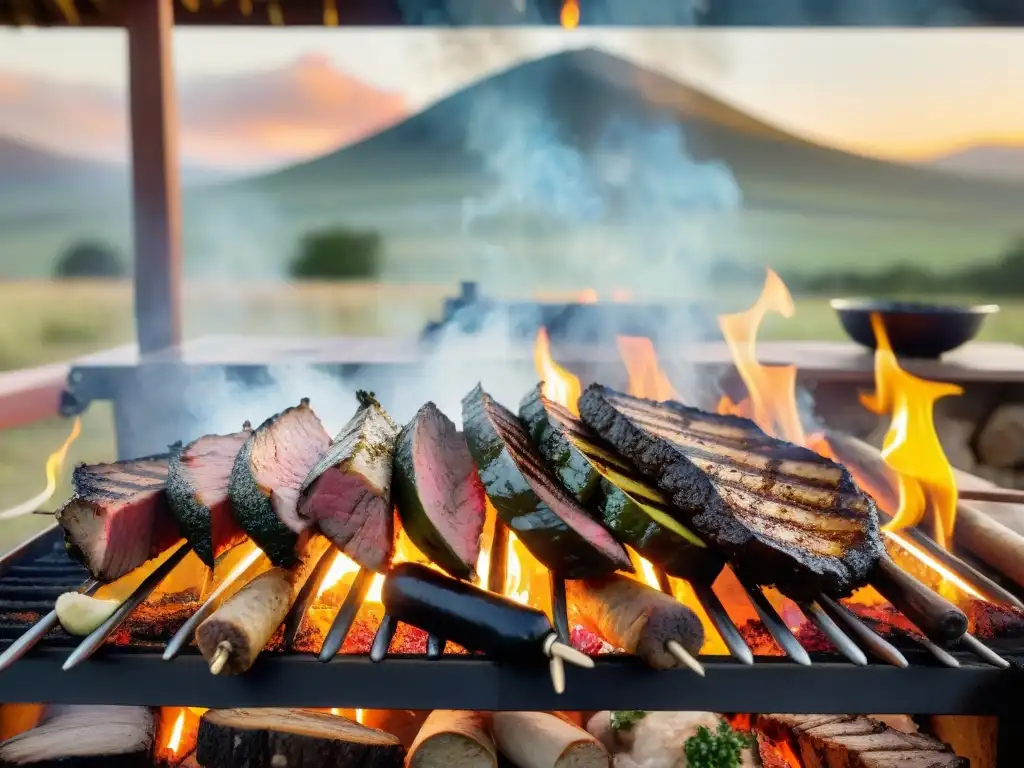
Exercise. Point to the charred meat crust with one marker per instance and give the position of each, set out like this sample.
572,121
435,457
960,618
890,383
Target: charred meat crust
699,504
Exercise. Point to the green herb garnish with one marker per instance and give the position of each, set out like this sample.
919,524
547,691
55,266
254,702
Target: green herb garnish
625,719
721,749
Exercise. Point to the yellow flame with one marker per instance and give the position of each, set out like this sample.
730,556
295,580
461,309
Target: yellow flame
570,16
911,447
771,389
646,379
174,742
54,464
560,386
514,587
360,716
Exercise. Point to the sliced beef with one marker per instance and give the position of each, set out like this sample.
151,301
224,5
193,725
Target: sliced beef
119,516
267,476
780,512
439,496
347,493
197,488
856,741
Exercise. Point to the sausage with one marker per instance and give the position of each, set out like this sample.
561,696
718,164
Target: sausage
243,625
455,740
542,740
637,618
472,617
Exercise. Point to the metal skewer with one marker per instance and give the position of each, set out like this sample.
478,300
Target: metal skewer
941,654
99,636
346,614
983,652
727,629
307,596
382,640
38,631
560,608
435,646
836,636
875,643
184,634
775,625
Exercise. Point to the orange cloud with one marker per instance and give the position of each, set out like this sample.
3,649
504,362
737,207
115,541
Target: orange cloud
249,119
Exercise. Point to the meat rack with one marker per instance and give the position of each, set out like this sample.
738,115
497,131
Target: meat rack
916,678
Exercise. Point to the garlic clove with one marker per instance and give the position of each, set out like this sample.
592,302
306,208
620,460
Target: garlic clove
80,614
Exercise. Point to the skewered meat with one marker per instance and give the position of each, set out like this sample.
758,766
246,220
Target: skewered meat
347,493
266,478
197,488
550,523
438,493
119,516
783,514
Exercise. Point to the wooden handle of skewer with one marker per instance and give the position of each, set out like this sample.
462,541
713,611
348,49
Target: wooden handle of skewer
939,620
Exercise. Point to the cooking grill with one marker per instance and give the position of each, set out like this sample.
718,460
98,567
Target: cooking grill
966,679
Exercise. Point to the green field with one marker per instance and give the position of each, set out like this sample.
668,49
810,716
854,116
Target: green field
42,322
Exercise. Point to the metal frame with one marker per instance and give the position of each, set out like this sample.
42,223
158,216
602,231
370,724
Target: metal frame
293,680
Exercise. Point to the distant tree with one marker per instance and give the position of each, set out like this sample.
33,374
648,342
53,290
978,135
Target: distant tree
89,259
337,254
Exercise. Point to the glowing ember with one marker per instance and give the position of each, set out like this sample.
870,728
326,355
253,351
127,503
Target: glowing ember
911,447
570,16
771,389
54,465
560,386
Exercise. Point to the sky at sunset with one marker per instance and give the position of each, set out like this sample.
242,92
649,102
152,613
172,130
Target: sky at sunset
276,95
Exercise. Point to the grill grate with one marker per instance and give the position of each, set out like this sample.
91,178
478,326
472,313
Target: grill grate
33,576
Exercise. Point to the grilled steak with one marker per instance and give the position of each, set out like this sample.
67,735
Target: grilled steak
119,516
266,478
438,493
197,488
347,493
529,500
781,513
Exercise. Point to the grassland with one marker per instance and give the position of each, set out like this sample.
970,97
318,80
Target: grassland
43,322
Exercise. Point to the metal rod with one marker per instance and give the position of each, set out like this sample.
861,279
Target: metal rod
499,558
963,569
941,654
560,608
836,636
727,629
99,636
307,596
15,556
38,631
435,646
382,640
983,652
775,625
346,614
185,633
877,645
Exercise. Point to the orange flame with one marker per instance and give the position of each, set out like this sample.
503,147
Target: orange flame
772,389
646,379
176,733
515,588
570,16
911,447
560,386
54,465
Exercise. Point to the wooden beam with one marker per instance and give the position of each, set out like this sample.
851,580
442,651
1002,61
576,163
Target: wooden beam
156,188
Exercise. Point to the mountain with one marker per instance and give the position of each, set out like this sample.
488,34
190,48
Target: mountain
987,162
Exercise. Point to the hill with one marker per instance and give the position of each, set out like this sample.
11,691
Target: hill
543,125
986,162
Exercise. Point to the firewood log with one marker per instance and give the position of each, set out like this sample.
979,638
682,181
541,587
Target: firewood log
542,740
292,738
453,739
85,737
855,741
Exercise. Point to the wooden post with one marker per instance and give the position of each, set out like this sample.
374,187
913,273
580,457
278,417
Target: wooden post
156,188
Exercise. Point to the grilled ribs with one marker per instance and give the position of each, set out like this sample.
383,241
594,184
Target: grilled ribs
782,514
